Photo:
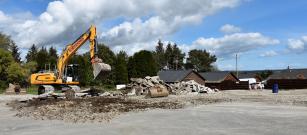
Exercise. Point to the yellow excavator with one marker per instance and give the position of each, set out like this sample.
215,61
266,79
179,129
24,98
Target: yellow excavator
65,76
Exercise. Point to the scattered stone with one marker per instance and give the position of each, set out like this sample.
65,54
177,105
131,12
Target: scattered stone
14,89
190,87
139,86
92,109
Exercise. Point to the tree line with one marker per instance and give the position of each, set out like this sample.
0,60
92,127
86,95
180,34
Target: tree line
140,64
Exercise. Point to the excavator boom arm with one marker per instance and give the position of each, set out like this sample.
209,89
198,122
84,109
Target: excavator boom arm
71,49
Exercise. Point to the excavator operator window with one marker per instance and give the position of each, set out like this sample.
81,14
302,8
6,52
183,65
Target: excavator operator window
71,73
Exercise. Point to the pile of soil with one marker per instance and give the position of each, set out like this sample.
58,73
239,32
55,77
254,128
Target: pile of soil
105,108
96,109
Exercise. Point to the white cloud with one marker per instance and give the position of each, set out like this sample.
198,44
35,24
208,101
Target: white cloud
227,28
65,20
269,54
304,38
228,45
3,17
296,44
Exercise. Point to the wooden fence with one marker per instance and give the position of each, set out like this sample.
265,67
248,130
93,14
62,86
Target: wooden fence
229,85
287,83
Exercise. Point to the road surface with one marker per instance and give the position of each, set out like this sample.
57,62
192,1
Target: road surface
215,119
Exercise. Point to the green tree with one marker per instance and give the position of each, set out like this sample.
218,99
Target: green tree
5,61
168,56
42,58
177,57
85,70
32,53
160,55
121,71
53,56
200,60
15,52
85,67
142,64
30,67
5,42
16,74
174,57
107,56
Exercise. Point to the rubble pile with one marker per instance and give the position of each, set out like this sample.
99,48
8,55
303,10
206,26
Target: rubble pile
14,89
139,86
190,87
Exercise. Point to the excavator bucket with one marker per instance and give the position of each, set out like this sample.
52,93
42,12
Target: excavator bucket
100,70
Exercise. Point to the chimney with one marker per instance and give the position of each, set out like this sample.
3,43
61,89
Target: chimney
289,69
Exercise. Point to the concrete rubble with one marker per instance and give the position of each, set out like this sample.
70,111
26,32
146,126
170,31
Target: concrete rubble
139,86
104,106
14,89
190,87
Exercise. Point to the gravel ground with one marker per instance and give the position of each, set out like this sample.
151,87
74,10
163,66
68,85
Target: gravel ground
8,98
227,112
213,119
100,109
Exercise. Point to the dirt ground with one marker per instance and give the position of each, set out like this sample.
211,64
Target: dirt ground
227,112
100,109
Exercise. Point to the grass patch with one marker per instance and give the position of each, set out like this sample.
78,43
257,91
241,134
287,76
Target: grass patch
32,90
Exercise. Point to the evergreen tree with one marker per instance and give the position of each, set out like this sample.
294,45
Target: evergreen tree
174,57
168,56
131,67
142,64
121,71
160,55
200,60
53,56
85,72
32,53
15,52
107,56
177,57
42,59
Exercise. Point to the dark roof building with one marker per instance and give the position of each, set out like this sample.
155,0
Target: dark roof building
218,77
288,79
173,76
223,80
244,75
289,74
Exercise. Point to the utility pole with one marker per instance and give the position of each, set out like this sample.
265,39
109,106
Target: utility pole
237,73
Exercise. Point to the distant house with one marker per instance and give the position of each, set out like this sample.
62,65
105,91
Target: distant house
245,75
253,79
223,80
288,79
173,76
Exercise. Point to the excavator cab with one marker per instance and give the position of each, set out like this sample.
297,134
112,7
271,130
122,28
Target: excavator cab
71,73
